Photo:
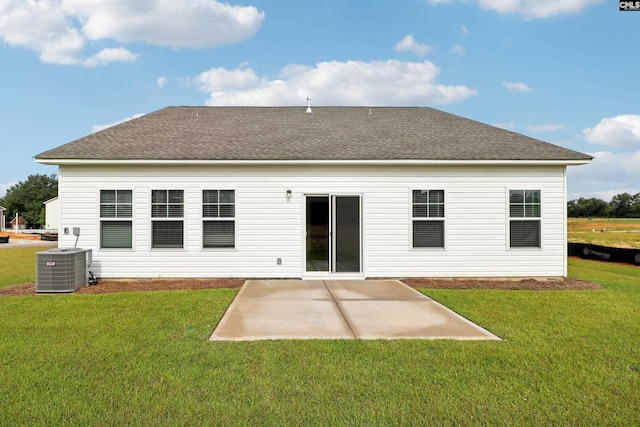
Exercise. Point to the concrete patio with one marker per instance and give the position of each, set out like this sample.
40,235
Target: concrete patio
339,309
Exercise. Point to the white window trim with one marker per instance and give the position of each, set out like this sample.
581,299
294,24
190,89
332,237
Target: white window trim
509,219
203,219
130,219
444,218
319,275
165,219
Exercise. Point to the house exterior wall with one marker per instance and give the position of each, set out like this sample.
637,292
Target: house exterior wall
52,213
270,225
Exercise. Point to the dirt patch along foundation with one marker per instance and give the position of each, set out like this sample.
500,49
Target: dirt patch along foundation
139,285
106,286
565,284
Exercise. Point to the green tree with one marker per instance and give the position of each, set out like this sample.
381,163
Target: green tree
587,208
621,206
635,206
27,198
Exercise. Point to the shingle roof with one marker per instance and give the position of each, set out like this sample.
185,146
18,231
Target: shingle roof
288,133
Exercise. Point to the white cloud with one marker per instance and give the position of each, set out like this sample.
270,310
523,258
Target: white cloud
186,23
221,79
409,44
544,128
535,9
59,30
516,86
162,81
457,50
108,55
42,27
609,174
97,128
532,9
333,83
293,69
464,31
619,131
506,126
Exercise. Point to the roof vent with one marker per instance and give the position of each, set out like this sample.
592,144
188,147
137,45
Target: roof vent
309,110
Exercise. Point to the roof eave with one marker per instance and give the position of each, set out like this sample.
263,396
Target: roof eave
394,162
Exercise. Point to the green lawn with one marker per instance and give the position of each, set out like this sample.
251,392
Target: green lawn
18,265
569,358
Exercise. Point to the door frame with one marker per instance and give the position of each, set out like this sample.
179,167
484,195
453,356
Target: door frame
331,273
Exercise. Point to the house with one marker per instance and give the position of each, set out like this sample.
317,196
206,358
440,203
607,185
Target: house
52,214
2,220
340,192
18,223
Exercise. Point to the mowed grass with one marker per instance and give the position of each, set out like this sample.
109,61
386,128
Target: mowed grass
618,232
568,358
18,265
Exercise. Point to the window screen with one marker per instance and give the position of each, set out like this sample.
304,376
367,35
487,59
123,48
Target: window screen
168,234
428,218
218,234
115,230
168,204
115,234
524,214
218,211
524,234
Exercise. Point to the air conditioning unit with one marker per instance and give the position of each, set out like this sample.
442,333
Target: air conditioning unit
62,270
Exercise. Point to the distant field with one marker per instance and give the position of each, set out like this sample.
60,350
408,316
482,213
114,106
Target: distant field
613,232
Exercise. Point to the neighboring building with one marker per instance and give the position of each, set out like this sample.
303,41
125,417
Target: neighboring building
52,214
347,192
19,223
2,220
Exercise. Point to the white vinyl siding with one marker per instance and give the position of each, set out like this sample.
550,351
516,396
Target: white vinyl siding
270,226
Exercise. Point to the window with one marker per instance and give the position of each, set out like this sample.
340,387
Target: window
167,211
524,215
218,211
116,210
428,218
167,203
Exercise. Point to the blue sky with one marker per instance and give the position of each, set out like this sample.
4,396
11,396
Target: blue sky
565,72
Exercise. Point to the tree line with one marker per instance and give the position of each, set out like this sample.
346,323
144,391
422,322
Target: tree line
27,198
622,205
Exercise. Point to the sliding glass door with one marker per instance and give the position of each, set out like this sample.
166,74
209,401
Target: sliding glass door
318,231
333,234
346,244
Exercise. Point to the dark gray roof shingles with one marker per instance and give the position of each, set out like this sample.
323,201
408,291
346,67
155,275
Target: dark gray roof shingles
288,133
